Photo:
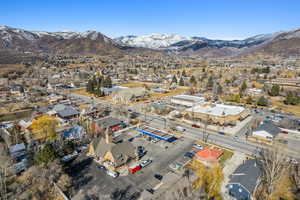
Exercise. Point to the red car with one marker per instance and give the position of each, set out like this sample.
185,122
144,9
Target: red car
134,169
195,126
284,132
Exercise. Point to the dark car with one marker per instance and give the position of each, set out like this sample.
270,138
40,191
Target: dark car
131,139
150,190
140,148
158,177
189,155
221,133
142,153
195,126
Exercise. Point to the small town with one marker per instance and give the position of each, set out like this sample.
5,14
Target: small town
86,117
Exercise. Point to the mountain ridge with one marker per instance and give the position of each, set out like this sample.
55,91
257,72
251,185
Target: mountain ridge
94,42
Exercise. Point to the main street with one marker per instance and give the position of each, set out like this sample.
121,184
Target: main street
230,142
235,143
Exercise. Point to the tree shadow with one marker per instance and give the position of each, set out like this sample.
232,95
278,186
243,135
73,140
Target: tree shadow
77,169
124,194
82,181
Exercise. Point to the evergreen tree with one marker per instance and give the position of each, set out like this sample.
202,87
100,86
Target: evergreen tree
193,80
174,80
219,89
98,92
249,100
181,82
291,99
274,90
100,81
262,101
89,86
210,82
45,155
244,86
108,82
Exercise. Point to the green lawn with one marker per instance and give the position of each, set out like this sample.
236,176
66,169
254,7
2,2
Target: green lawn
225,156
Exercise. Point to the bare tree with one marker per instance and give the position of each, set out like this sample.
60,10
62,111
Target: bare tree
122,112
205,132
145,108
274,165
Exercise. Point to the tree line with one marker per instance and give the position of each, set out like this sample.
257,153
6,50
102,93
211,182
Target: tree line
95,85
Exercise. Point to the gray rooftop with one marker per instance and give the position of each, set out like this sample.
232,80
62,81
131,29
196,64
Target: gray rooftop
247,174
269,127
67,112
108,122
120,151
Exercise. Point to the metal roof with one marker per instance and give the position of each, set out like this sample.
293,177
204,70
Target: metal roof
247,174
268,127
108,122
159,134
220,110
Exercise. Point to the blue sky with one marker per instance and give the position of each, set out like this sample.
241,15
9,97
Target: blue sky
222,19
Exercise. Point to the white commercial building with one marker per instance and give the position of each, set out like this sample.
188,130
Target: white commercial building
187,100
219,110
266,131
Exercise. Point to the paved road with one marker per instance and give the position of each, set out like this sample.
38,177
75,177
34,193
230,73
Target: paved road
226,141
238,144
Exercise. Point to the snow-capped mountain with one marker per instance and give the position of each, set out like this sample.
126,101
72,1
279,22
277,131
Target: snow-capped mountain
65,41
153,41
177,42
196,45
93,42
7,33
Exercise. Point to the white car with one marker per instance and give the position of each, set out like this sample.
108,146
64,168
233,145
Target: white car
112,173
294,161
198,146
179,128
145,163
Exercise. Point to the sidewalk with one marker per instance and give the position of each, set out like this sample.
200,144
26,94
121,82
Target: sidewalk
230,166
227,130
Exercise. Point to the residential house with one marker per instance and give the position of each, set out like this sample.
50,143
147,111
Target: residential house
66,111
244,180
107,123
110,154
18,152
209,155
76,132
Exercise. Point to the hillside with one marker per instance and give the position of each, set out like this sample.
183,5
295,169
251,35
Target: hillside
285,44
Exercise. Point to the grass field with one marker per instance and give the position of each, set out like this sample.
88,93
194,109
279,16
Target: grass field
84,93
171,93
15,115
227,154
286,108
153,96
136,84
157,96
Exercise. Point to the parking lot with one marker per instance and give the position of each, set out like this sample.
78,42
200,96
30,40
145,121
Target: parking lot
161,153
